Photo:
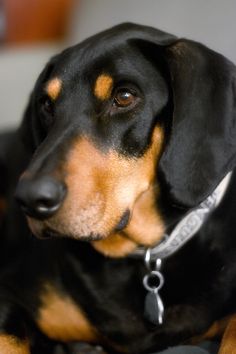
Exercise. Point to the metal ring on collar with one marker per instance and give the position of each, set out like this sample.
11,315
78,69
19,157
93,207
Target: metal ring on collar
150,275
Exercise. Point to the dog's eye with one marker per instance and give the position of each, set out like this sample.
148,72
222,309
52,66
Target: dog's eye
47,110
47,105
124,97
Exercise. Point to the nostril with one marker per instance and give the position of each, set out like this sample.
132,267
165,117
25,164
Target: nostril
48,197
46,205
40,198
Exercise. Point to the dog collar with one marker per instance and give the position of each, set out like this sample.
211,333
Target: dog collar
182,233
187,227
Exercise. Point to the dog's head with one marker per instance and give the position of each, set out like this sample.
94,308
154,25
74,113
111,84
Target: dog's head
130,116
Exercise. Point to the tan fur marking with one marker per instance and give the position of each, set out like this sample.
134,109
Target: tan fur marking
53,88
61,319
145,227
103,87
115,245
12,345
228,344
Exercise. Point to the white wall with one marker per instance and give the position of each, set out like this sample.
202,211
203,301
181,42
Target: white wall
212,22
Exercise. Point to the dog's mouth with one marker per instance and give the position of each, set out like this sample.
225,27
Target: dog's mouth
140,224
50,232
123,221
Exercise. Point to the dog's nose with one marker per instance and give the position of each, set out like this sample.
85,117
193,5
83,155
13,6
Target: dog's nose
40,198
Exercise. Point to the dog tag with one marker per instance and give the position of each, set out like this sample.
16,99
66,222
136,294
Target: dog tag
153,307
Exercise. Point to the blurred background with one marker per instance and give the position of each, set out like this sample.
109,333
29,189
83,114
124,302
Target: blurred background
31,31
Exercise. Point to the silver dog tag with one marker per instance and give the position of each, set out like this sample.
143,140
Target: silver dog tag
153,307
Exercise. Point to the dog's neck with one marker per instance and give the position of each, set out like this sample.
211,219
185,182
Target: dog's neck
146,227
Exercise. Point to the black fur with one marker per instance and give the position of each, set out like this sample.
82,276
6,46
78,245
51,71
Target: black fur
190,91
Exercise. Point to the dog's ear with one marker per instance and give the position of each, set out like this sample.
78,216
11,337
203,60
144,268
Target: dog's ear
202,143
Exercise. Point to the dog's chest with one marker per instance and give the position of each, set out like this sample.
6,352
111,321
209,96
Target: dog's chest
60,318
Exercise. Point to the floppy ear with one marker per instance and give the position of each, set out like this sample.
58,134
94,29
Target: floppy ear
201,148
202,145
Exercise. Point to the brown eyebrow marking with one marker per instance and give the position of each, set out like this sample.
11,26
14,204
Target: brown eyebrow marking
103,86
53,88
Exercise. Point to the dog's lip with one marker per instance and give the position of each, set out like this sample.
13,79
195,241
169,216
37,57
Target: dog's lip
49,232
124,220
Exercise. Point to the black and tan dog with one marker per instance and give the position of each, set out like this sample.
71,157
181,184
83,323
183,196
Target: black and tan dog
123,135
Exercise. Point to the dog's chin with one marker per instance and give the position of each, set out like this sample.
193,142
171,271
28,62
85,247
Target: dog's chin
43,231
49,233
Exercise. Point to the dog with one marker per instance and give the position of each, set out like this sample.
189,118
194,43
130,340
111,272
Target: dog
127,136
